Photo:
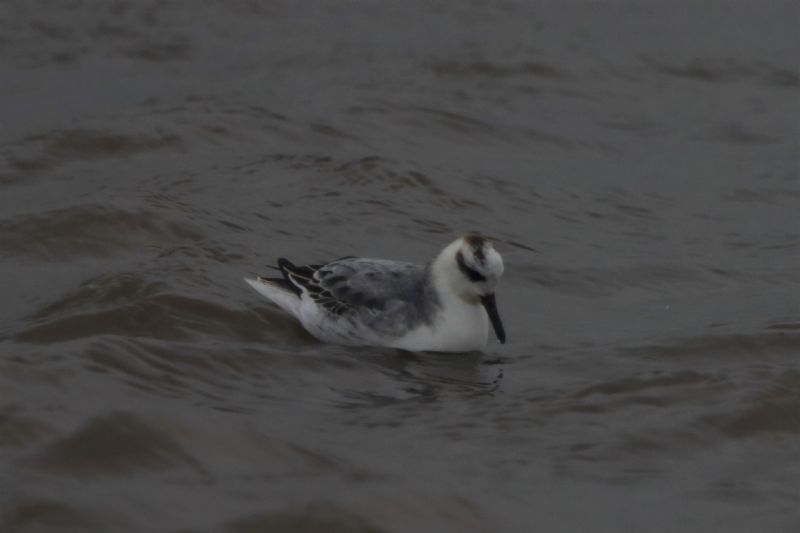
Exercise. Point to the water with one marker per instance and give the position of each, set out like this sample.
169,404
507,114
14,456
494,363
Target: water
636,162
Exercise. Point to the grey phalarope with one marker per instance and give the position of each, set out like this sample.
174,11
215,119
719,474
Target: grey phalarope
445,305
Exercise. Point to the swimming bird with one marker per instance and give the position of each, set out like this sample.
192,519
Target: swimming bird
444,306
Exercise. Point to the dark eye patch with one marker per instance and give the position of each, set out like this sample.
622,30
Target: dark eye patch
472,274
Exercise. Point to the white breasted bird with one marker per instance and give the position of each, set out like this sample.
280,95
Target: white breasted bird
445,305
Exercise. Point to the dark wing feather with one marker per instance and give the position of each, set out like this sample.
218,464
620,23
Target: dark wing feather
304,277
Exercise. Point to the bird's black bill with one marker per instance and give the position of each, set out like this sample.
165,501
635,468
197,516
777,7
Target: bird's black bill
490,305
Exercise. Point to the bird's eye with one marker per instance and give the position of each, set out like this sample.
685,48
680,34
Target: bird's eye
472,274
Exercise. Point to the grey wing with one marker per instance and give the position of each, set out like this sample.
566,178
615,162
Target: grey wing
357,284
388,297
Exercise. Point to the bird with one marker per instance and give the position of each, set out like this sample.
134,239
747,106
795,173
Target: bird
445,305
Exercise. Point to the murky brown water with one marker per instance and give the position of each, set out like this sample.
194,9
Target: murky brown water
636,161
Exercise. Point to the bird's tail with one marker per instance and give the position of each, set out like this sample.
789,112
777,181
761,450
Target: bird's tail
278,291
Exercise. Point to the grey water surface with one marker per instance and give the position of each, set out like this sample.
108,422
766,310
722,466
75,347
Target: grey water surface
637,164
